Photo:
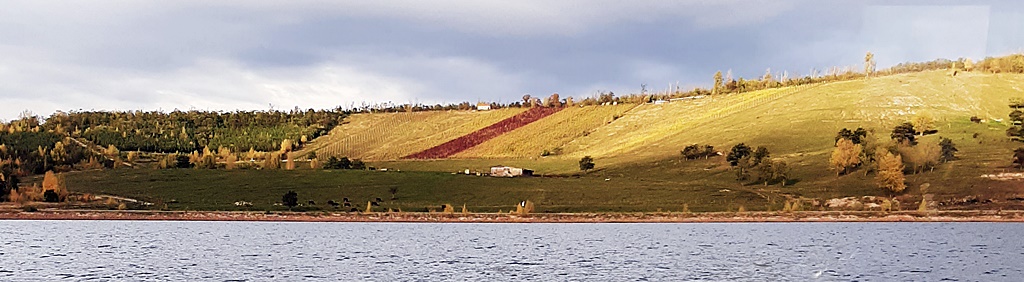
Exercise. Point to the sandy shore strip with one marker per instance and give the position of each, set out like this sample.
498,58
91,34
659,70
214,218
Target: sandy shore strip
809,216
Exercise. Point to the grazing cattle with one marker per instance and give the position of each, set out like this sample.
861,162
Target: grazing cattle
347,204
379,200
344,200
311,202
353,210
374,204
332,203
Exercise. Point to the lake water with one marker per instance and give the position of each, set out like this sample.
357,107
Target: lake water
271,251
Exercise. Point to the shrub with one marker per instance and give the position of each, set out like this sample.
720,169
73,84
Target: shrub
586,163
51,196
696,151
904,133
290,199
358,164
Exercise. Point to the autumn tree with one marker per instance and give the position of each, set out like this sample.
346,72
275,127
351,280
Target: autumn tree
845,156
890,172
290,165
54,184
59,154
869,64
924,123
718,83
554,101
230,162
287,145
920,157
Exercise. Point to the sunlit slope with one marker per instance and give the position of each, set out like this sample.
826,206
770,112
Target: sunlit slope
547,134
801,119
645,125
388,136
789,120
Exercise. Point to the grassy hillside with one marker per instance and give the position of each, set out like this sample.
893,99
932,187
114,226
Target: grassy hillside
791,121
637,155
802,120
548,134
383,136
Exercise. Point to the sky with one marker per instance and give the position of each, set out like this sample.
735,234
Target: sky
260,55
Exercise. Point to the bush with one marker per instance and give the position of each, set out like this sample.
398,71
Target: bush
698,151
51,196
290,199
586,163
904,133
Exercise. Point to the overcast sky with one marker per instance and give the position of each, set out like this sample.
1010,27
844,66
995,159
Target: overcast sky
254,55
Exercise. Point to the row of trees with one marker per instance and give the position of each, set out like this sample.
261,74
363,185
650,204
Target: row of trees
179,131
726,83
1016,130
903,154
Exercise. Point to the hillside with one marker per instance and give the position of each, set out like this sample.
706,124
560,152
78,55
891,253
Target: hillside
476,137
639,167
792,120
384,136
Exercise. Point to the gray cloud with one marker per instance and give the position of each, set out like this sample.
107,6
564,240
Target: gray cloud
231,55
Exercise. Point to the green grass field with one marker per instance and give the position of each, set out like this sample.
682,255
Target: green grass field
637,155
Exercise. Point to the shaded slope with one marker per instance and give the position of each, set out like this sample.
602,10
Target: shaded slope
477,137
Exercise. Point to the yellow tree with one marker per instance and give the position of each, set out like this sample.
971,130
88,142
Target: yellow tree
869,64
54,182
59,154
923,122
890,172
845,156
286,146
718,83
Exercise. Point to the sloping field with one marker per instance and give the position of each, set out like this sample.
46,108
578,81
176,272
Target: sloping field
791,120
389,136
548,134
645,125
800,119
475,138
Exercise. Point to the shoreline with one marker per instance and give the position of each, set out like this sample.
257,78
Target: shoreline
414,217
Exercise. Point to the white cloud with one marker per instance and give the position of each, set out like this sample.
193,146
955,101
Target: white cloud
44,86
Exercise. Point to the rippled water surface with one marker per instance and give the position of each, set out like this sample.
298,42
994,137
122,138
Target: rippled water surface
259,251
